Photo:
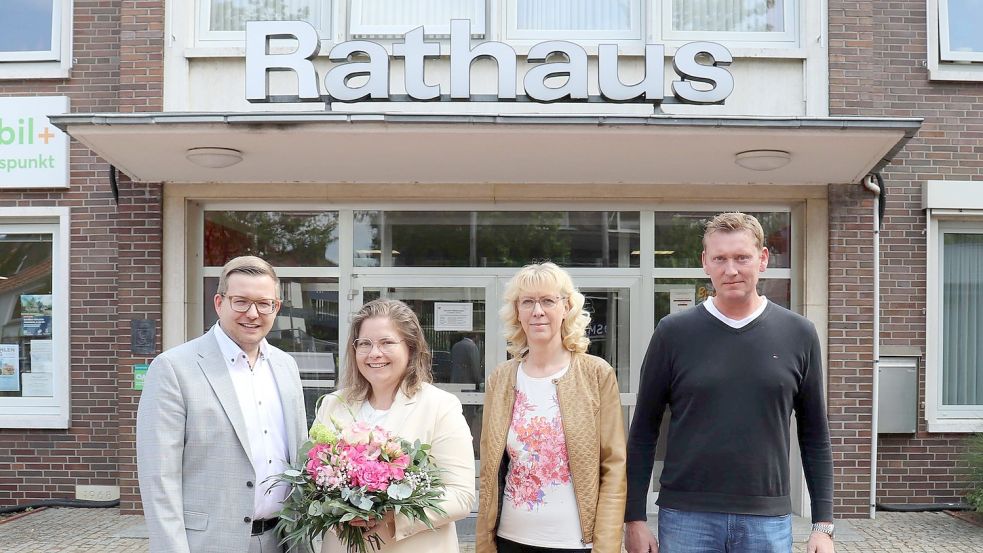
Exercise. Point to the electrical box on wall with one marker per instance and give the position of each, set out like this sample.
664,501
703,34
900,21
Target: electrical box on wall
897,402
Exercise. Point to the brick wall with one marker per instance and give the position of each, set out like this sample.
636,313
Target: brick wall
140,269
850,345
42,464
878,68
141,222
114,266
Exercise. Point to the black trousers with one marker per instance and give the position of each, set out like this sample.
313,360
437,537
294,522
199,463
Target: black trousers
508,546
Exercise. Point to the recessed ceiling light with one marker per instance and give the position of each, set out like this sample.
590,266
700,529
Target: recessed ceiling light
214,158
763,160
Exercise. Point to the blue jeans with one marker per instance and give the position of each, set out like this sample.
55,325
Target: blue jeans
695,532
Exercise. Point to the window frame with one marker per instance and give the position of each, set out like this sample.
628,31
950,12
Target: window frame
789,38
941,417
940,69
946,53
51,64
53,53
359,30
46,412
949,206
513,34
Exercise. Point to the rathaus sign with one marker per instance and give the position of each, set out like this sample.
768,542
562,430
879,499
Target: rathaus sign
699,62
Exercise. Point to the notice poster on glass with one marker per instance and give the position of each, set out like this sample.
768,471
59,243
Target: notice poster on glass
9,368
41,356
681,299
35,314
38,385
453,316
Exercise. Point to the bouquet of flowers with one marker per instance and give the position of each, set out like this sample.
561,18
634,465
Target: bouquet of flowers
359,472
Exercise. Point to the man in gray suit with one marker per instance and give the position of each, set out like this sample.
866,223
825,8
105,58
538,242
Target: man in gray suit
218,416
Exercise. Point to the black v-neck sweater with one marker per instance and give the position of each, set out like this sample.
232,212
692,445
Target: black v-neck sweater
731,393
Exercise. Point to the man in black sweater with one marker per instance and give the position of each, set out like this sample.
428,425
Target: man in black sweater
731,371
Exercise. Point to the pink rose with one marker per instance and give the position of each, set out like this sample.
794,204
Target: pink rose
357,433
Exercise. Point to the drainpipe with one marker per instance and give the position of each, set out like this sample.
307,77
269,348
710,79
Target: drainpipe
875,184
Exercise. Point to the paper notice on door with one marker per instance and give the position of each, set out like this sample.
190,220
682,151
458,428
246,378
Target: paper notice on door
38,385
681,299
9,367
453,316
41,356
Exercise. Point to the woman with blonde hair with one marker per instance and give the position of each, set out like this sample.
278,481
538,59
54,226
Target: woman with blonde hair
387,383
553,439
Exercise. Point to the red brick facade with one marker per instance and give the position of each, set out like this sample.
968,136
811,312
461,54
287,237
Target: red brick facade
878,55
114,266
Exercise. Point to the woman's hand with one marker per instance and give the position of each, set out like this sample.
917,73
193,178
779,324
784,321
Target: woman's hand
385,527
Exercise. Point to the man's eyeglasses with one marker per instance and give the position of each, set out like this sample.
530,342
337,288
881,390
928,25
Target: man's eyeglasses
363,346
241,304
547,302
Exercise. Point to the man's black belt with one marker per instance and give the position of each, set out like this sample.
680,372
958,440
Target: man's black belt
263,526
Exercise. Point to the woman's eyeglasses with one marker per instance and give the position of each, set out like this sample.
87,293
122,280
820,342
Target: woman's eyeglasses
363,346
547,303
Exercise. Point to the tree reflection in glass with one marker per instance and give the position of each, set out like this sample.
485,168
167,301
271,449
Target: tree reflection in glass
495,238
283,238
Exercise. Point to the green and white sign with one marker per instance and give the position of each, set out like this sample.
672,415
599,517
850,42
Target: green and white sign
33,152
139,375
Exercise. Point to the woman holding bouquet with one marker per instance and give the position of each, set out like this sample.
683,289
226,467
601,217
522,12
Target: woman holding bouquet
553,440
387,383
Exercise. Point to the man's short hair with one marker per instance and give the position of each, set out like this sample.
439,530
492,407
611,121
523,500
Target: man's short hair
246,265
735,221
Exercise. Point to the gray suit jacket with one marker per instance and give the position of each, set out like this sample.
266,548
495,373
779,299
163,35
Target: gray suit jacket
196,480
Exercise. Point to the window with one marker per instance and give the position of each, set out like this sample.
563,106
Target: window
34,361
680,281
226,19
962,318
954,307
955,48
765,21
495,238
30,30
959,36
959,354
303,246
574,19
396,17
35,39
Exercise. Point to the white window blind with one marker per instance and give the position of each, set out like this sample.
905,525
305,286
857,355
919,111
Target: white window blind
581,15
395,17
231,15
574,19
962,319
743,16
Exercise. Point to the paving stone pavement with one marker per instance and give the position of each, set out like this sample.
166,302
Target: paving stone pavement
65,530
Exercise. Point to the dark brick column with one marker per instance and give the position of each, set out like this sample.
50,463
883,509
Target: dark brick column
141,89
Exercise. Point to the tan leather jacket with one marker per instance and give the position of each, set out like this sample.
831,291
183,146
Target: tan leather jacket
593,428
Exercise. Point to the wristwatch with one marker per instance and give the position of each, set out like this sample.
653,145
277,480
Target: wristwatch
824,527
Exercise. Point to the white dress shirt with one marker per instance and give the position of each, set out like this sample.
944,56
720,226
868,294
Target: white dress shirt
259,400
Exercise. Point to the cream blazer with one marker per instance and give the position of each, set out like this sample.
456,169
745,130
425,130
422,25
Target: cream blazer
432,416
